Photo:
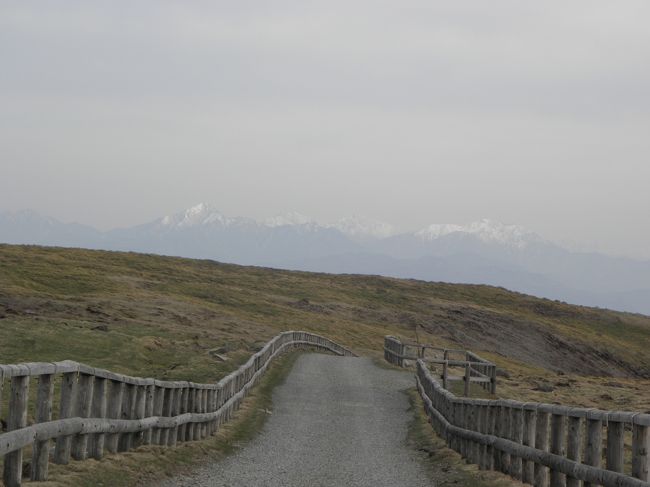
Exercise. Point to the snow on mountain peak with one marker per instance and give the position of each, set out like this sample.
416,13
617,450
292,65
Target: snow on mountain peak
438,230
201,214
359,227
352,226
291,218
489,231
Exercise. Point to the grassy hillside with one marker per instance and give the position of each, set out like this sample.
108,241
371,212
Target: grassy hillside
168,317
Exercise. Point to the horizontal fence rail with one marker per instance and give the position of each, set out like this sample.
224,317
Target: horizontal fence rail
471,367
103,412
541,444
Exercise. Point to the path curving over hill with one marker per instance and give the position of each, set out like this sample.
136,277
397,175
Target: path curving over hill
335,421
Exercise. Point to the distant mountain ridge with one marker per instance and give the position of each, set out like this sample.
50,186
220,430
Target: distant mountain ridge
485,230
354,226
482,252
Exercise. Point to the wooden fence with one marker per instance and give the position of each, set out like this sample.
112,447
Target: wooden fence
541,444
470,367
102,412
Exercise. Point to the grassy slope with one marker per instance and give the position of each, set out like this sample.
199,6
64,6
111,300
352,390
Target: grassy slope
159,316
164,314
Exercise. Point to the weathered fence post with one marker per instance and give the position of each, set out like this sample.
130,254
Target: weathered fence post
41,455
64,443
640,450
528,439
574,444
212,425
505,432
451,437
176,410
615,443
541,443
171,432
594,443
140,410
489,430
196,408
182,430
496,418
159,398
114,411
84,402
189,427
193,404
460,422
166,412
482,428
98,410
477,425
150,392
474,426
204,409
517,430
558,435
445,374
493,379
125,442
220,402
468,378
13,462
467,424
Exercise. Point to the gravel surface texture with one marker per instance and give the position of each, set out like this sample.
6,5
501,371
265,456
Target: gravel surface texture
336,421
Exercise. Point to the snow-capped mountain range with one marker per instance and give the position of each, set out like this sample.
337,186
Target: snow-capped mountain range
482,252
356,226
488,231
200,214
204,214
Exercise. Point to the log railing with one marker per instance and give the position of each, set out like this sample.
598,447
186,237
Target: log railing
102,412
541,444
469,367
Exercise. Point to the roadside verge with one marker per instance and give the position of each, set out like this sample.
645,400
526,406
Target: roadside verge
147,464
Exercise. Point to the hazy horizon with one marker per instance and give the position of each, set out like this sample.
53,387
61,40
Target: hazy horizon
433,112
396,229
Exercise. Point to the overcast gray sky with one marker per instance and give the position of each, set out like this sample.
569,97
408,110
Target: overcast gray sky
414,112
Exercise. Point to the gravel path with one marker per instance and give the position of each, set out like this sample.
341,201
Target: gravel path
336,421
